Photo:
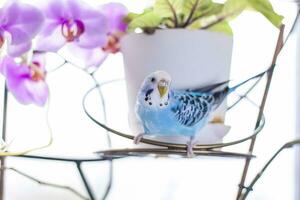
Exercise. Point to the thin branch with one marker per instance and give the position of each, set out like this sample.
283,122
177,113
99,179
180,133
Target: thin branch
278,48
280,45
70,189
261,172
66,61
57,68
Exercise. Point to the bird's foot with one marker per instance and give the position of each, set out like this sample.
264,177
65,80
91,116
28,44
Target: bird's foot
190,152
137,138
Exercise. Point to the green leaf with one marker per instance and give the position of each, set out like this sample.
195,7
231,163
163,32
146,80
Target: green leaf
233,8
202,22
146,20
204,13
195,6
212,9
222,27
168,8
265,8
130,16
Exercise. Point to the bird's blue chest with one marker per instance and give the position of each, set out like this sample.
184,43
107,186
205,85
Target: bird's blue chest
162,121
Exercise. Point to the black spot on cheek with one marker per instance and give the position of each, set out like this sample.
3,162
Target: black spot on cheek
166,103
161,104
146,99
150,103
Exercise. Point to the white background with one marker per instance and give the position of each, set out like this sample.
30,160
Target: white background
148,178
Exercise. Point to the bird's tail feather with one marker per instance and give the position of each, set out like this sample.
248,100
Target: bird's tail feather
219,96
246,81
210,88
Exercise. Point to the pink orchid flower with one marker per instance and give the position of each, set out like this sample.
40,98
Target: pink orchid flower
19,24
116,28
114,13
71,22
26,81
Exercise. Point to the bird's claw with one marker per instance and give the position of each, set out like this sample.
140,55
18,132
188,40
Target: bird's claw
190,151
137,138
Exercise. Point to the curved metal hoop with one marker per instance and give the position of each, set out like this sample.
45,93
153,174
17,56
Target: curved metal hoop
170,146
164,152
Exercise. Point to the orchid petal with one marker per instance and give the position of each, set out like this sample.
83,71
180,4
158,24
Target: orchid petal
49,27
54,9
74,8
22,21
39,59
115,13
95,30
18,50
20,84
52,42
90,57
38,92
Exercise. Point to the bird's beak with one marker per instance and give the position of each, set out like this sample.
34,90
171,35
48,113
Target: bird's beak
162,90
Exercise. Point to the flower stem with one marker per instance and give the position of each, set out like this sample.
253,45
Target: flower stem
4,121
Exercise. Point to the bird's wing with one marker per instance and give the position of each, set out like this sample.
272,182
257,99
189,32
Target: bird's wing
210,88
190,108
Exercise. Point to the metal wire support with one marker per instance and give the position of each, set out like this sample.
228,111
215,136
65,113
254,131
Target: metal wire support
172,148
85,182
45,183
78,163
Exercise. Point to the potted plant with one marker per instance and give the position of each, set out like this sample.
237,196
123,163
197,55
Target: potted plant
191,40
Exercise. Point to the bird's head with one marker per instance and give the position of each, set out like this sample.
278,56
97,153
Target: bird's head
155,88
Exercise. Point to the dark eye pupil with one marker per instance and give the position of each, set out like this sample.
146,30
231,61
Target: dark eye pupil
152,79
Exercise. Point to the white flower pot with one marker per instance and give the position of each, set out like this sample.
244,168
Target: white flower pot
192,58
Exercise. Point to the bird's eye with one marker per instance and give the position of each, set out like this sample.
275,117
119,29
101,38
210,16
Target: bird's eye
153,80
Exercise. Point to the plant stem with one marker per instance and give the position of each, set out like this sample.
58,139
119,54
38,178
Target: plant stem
174,14
4,122
261,110
191,14
218,20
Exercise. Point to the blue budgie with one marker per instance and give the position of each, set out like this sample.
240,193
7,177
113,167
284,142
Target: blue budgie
167,112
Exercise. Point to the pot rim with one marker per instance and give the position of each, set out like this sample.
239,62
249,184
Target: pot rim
179,30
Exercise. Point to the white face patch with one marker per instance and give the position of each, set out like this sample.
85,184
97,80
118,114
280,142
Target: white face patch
154,100
154,96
